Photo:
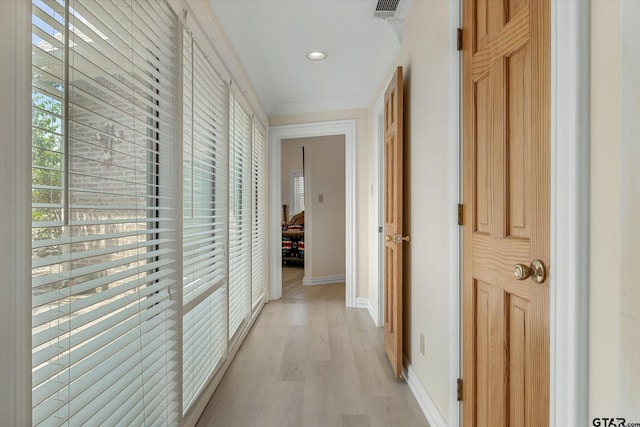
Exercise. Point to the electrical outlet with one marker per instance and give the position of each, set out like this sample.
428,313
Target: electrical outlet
422,344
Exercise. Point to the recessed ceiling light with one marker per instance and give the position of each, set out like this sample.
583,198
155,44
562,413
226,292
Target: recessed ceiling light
316,55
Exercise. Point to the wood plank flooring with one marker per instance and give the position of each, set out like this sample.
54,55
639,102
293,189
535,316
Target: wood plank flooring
309,361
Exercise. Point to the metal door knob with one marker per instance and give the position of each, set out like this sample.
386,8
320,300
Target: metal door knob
535,270
387,238
401,238
521,271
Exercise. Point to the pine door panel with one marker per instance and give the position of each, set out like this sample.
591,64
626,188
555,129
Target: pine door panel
518,141
393,187
506,134
482,160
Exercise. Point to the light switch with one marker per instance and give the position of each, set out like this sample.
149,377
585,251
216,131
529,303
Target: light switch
321,198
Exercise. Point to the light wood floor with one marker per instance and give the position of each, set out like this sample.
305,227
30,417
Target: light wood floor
311,362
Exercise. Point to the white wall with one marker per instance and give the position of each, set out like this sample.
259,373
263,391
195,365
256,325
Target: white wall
614,355
425,57
325,220
604,324
630,207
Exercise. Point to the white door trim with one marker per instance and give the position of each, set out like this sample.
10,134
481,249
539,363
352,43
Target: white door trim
569,272
454,194
377,256
276,135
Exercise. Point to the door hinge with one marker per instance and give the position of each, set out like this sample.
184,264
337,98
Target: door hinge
459,38
460,214
459,389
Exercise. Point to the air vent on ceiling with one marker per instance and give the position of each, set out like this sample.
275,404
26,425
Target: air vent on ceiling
386,9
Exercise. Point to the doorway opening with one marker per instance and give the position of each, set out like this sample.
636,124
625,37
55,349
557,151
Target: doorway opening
277,135
313,213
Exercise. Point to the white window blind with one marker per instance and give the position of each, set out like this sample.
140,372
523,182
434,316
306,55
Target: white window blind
240,194
104,127
297,186
204,219
258,243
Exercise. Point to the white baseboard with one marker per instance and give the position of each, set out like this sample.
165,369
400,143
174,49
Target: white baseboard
428,406
362,302
373,312
322,280
366,303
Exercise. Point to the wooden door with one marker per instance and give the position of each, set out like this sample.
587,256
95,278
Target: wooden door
393,222
506,116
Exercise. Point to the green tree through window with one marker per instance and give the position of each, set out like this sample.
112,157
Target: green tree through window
47,167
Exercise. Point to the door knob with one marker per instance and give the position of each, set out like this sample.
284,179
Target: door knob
535,270
401,238
387,238
521,271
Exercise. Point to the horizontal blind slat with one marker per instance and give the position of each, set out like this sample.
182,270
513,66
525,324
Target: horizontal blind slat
52,278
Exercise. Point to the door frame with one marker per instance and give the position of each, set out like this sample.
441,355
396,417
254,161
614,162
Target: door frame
454,195
306,130
569,272
377,255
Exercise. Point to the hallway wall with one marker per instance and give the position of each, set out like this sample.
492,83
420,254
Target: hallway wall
630,221
614,357
424,56
604,334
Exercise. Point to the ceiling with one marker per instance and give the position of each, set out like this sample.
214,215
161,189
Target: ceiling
272,38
